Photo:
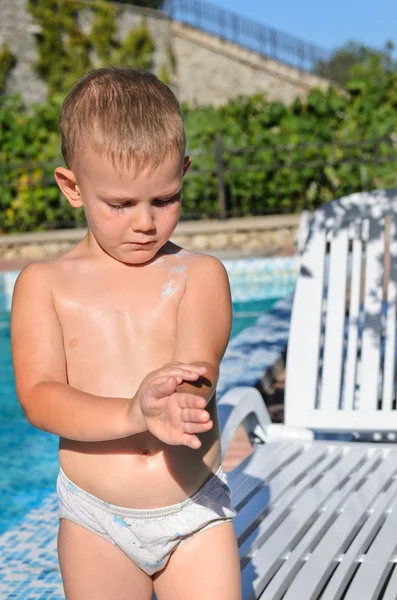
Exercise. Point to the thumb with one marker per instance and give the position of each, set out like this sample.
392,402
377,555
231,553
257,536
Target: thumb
165,388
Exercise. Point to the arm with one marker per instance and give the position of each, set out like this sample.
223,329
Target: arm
48,402
175,411
204,323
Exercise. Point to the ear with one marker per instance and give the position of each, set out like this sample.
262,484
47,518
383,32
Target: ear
186,165
68,186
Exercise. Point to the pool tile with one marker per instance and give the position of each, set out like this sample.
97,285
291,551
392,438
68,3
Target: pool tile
28,556
30,584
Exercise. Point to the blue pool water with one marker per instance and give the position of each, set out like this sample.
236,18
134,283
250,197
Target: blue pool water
246,313
28,457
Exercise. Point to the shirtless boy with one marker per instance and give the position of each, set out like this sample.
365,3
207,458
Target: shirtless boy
116,349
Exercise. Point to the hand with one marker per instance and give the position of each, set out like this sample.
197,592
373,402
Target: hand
174,417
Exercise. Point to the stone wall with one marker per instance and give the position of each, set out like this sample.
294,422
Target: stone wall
209,70
212,71
17,29
250,236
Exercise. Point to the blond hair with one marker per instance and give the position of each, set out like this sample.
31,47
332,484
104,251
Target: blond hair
126,114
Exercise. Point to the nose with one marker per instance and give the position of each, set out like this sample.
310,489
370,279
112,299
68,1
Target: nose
143,219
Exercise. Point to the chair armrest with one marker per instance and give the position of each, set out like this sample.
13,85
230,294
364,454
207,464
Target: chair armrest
242,405
245,405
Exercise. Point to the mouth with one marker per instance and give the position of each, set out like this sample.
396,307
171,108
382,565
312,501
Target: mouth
141,243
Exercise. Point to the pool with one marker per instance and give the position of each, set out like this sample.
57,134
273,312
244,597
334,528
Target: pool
28,457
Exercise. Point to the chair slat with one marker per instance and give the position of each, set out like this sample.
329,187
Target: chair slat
278,514
261,467
373,572
390,592
370,361
354,313
348,421
314,573
335,322
390,325
348,565
306,324
296,524
266,450
280,493
283,578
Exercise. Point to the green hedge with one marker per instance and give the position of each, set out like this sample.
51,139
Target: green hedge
29,141
280,158
277,158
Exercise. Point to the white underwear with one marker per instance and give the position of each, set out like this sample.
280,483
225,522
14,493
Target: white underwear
148,536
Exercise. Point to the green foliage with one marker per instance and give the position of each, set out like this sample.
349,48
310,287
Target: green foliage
277,158
285,159
168,70
138,48
102,35
171,57
29,145
353,58
7,62
66,52
164,75
62,46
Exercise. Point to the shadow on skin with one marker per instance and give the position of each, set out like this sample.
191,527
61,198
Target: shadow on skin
168,248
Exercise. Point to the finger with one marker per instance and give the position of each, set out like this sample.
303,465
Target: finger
191,440
190,401
179,376
180,372
195,415
189,367
198,427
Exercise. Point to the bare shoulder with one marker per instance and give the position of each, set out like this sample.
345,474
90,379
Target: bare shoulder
38,280
36,277
206,269
47,273
207,281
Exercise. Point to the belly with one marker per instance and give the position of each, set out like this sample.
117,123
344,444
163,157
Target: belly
140,471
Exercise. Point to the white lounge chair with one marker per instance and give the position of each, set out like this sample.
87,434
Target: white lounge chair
318,519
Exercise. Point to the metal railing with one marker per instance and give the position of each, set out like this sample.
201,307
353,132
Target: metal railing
286,178
224,181
247,33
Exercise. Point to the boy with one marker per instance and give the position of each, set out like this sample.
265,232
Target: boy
116,349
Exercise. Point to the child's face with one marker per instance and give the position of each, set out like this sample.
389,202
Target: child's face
131,215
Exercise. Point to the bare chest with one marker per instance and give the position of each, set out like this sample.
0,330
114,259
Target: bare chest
114,335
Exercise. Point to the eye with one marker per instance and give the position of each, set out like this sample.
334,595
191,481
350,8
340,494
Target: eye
165,203
117,207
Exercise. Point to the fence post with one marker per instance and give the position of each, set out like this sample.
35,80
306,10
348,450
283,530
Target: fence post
220,171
